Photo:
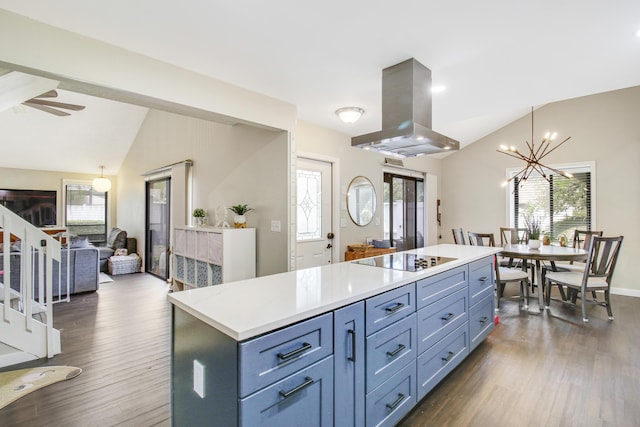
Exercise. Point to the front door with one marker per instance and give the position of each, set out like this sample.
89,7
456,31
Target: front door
158,231
313,218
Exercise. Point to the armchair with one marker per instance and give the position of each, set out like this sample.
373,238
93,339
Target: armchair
117,240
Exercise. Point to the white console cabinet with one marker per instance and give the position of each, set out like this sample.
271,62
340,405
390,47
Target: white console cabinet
206,256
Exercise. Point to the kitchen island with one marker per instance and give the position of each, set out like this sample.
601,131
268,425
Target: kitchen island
343,344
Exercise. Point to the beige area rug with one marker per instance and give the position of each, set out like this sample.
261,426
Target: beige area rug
18,383
104,278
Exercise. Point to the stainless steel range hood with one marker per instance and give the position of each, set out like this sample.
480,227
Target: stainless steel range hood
406,115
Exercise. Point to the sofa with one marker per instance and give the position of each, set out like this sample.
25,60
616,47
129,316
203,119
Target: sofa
82,269
117,240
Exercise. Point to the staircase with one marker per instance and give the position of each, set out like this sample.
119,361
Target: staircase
26,299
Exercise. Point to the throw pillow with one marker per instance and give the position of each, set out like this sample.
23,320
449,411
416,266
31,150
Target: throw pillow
117,239
120,252
79,242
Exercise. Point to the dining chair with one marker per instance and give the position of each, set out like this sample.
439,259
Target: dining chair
504,275
581,239
458,236
601,262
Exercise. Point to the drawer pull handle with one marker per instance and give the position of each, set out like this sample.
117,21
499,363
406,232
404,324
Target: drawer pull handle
307,382
448,317
396,351
483,279
398,401
484,320
305,346
352,358
449,356
394,308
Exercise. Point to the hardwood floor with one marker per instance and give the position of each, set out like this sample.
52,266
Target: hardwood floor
120,337
533,370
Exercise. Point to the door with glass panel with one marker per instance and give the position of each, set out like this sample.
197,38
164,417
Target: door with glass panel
404,215
313,214
158,194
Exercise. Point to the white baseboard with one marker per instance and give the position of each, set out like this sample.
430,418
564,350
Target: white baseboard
625,292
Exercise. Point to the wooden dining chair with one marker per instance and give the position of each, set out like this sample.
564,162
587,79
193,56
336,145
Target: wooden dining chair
458,236
581,239
504,275
601,262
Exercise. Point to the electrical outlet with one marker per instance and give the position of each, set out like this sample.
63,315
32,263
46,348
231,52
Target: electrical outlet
198,378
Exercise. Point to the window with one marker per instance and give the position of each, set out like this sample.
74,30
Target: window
309,207
561,204
86,212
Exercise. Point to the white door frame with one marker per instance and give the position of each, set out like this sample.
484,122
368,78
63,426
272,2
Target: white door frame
335,202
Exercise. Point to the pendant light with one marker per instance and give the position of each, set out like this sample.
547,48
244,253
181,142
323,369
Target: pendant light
101,184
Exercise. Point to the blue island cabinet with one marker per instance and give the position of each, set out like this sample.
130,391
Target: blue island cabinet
364,364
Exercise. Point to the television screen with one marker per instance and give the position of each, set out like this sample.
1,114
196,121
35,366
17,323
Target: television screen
36,206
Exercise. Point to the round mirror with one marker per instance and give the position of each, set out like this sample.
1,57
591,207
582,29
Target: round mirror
361,200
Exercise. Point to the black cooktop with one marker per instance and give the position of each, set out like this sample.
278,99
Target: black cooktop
405,262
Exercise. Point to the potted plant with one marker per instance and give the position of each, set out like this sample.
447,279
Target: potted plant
240,221
533,226
199,214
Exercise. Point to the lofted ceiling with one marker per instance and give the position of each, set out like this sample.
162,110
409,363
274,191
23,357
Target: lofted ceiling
497,58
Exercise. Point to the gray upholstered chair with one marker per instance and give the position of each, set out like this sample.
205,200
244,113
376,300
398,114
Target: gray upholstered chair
601,262
504,275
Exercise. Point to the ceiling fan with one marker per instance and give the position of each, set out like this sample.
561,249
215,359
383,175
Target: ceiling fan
41,103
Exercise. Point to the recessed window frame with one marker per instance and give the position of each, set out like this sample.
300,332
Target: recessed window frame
67,182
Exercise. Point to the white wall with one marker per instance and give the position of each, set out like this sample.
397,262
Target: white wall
604,128
231,165
312,139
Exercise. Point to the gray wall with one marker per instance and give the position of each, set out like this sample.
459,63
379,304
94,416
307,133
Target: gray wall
231,165
604,128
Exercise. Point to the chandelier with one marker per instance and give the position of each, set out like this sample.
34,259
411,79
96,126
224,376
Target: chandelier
534,157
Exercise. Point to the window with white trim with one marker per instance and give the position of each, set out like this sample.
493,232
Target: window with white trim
561,204
86,212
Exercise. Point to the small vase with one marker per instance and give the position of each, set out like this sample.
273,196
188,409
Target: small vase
240,221
534,244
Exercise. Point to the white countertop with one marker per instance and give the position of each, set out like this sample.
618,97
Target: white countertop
247,308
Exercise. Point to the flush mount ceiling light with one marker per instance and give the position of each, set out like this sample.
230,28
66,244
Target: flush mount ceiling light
349,114
101,184
438,88
534,157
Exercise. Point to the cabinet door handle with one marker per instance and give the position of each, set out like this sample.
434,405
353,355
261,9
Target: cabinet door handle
394,308
483,279
396,351
305,346
307,382
352,358
395,404
484,320
449,356
447,317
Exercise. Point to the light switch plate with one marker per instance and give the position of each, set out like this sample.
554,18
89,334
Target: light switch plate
276,225
198,378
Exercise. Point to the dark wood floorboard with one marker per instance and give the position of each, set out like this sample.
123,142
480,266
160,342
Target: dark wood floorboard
120,336
545,370
533,370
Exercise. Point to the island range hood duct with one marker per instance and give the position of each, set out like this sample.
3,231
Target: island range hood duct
406,115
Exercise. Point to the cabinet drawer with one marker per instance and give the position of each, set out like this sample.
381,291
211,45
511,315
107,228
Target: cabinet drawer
305,398
271,357
384,309
437,320
439,286
481,320
387,404
481,278
389,350
435,363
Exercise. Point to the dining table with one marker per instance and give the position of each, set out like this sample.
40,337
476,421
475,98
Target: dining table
549,253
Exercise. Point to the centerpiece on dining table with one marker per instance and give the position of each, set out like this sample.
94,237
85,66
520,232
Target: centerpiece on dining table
533,228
